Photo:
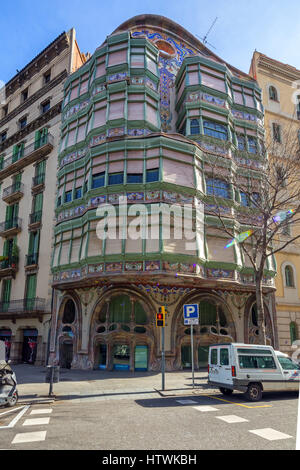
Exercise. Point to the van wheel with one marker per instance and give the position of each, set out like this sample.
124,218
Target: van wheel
254,392
226,391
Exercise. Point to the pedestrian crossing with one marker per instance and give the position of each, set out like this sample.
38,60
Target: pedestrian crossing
269,434
34,436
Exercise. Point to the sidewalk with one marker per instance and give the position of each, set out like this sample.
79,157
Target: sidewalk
102,385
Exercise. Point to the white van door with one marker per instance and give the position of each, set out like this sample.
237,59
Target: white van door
291,373
224,366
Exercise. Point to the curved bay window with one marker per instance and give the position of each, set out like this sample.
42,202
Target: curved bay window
217,187
195,126
216,130
122,333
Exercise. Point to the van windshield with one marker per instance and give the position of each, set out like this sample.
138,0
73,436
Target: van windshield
256,362
287,363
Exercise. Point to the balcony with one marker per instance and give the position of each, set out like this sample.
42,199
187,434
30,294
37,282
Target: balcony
13,193
30,154
10,227
35,220
38,183
22,308
31,261
9,267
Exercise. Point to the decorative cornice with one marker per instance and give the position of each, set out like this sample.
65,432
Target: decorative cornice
45,89
39,62
32,126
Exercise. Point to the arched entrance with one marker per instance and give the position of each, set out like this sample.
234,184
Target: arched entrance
215,326
122,333
67,330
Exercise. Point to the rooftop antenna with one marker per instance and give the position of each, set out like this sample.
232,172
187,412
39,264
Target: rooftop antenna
204,39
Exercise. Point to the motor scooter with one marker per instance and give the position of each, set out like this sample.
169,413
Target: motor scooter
8,385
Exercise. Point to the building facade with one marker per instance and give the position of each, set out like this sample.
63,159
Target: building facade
29,137
142,121
281,100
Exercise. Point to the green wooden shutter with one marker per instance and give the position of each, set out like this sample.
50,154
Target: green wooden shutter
1,161
31,286
37,138
5,248
15,153
44,136
6,294
38,202
9,213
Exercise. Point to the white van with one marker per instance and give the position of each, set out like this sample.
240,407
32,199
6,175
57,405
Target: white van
251,369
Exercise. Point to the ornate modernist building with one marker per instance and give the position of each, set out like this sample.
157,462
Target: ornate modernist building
29,137
143,119
281,99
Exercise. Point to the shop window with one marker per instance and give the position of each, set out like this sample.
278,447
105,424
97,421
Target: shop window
252,144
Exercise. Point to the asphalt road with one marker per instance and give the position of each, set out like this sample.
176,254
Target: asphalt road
154,423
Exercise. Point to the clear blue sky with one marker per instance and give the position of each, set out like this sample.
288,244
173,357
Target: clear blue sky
272,27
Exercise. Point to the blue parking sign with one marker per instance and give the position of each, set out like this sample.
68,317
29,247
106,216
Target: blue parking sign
191,314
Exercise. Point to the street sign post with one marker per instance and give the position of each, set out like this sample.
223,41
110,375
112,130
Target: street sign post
191,317
160,323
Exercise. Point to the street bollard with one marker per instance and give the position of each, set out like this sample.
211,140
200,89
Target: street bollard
52,376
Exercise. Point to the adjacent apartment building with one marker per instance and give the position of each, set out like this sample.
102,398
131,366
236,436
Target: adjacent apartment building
142,121
30,119
280,84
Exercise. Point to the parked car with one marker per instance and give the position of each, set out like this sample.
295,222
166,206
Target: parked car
252,369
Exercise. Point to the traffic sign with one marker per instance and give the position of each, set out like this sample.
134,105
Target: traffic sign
191,314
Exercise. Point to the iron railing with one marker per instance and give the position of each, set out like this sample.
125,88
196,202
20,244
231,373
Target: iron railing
15,188
10,262
32,259
42,142
23,306
35,217
10,224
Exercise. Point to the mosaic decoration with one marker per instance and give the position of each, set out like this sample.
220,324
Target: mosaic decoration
117,77
246,116
255,164
138,266
216,209
143,81
75,109
138,132
168,68
114,267
152,265
135,197
97,140
116,132
132,198
198,95
72,157
180,267
210,147
95,269
166,294
220,273
152,196
98,89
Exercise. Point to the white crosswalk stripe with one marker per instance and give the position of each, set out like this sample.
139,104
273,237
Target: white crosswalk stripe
29,437
205,408
232,419
36,421
41,411
270,434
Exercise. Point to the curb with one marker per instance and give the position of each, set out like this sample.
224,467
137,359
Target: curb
185,392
